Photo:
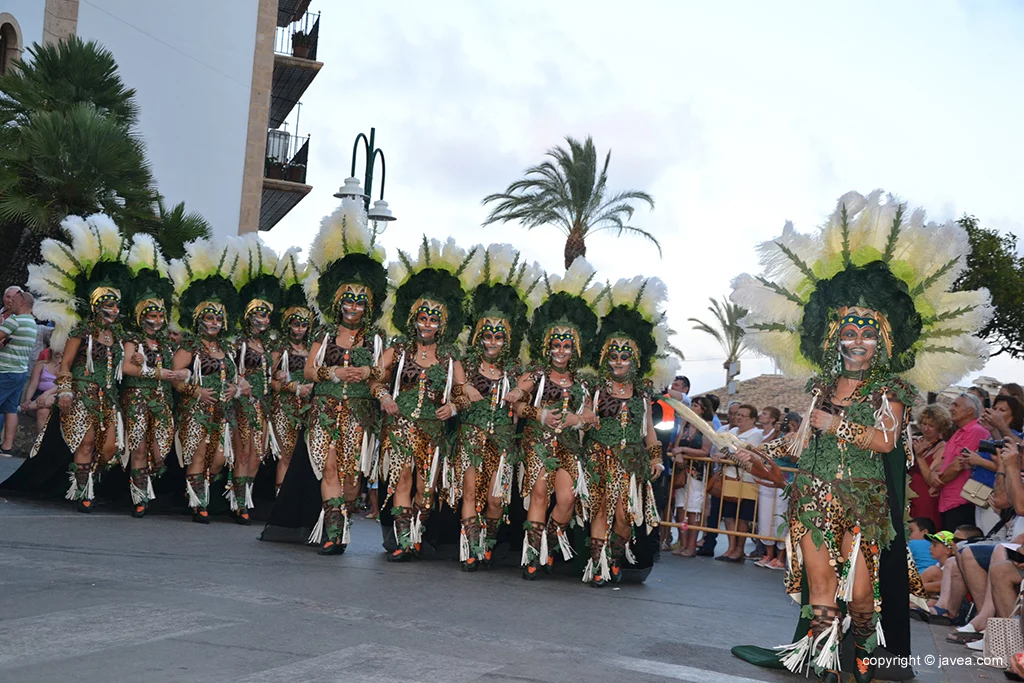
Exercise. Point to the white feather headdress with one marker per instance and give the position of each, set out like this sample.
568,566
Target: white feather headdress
878,235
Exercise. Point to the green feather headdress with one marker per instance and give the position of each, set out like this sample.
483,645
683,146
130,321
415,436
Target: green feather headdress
205,274
149,279
571,301
256,277
435,273
875,254
343,253
637,313
72,270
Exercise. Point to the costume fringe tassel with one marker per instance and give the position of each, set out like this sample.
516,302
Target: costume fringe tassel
318,529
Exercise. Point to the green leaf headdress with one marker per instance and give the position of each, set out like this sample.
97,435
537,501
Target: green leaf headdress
204,277
433,275
256,279
291,275
151,286
503,287
569,302
76,274
343,253
636,312
871,256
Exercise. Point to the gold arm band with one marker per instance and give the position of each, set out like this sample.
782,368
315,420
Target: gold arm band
324,373
853,433
378,391
531,412
376,374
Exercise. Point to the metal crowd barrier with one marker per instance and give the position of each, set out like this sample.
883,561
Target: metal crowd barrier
732,489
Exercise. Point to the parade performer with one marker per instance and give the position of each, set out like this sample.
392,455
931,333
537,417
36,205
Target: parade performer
623,453
428,385
146,395
864,306
207,306
80,288
557,406
484,450
259,294
347,286
291,391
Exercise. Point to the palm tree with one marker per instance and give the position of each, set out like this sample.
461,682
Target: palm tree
568,191
726,330
66,147
177,228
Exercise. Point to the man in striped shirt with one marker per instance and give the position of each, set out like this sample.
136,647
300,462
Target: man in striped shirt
18,334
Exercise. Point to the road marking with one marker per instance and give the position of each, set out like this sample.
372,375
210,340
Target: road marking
60,635
677,671
377,664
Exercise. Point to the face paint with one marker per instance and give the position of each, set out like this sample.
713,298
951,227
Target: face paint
352,301
620,357
211,319
858,344
429,320
561,344
153,321
492,334
298,327
108,311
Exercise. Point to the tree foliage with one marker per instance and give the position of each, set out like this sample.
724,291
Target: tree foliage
726,329
994,264
569,191
68,146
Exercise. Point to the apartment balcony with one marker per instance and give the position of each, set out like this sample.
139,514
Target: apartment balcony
290,10
295,65
284,176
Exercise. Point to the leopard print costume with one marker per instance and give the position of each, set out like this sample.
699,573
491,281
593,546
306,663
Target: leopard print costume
251,411
144,423
288,411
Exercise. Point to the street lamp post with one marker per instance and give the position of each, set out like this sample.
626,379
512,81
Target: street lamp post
380,213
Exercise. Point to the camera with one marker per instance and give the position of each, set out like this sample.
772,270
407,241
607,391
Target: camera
991,446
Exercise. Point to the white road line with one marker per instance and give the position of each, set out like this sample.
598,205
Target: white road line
677,671
60,635
376,664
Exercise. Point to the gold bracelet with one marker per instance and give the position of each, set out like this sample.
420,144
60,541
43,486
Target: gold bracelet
376,374
379,391
656,452
323,374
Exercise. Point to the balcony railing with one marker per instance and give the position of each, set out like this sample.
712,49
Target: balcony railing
299,39
287,156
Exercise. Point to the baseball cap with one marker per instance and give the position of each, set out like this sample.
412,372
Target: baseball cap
943,537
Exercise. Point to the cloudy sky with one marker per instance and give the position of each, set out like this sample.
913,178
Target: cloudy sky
735,116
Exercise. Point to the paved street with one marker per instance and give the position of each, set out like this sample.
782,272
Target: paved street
110,598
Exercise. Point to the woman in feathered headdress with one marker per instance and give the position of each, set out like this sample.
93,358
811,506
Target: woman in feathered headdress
623,452
347,285
484,447
291,391
259,293
428,384
864,306
80,289
207,306
558,405
146,393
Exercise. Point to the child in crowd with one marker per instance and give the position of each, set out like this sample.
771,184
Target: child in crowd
920,547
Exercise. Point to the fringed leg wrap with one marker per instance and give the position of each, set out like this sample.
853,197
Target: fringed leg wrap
419,515
531,544
80,476
597,571
865,629
140,486
347,514
489,534
332,528
196,490
403,527
558,539
820,647
471,541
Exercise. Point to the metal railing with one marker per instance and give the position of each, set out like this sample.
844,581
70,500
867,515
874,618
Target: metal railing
299,39
734,489
287,156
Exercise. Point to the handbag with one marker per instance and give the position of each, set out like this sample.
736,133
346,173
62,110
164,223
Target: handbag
1003,639
679,478
976,492
715,484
